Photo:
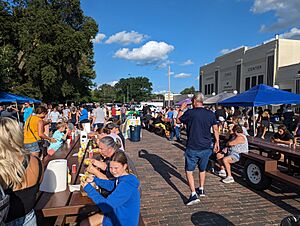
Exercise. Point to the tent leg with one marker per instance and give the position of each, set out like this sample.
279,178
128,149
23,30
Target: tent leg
254,121
18,112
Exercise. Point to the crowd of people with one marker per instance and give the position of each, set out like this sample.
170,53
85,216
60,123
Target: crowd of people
23,146
42,130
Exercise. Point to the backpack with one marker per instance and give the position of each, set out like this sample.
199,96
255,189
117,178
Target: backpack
4,205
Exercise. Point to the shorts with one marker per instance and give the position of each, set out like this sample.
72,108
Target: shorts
235,157
28,220
197,157
32,147
99,125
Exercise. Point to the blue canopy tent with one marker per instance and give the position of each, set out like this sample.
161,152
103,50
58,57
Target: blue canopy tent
262,95
14,98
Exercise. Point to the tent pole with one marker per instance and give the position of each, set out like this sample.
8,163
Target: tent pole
17,111
254,121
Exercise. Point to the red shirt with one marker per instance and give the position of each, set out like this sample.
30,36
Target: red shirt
113,112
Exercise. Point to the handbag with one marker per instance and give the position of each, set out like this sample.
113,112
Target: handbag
4,205
43,144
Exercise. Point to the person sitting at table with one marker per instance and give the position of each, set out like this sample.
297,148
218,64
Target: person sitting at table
20,174
283,136
107,148
264,121
115,129
60,136
122,206
231,154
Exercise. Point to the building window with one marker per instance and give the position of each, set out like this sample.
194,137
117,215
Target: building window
247,83
260,79
270,71
238,78
298,86
205,92
216,81
212,88
253,81
208,89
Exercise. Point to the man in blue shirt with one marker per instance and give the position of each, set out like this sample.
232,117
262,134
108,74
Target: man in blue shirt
199,143
27,111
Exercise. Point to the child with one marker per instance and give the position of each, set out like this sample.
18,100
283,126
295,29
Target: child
59,136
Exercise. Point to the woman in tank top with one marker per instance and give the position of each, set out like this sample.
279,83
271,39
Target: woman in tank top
238,145
20,174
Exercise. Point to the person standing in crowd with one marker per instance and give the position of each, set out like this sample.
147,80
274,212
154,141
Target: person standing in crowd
176,126
146,109
98,117
199,143
66,112
114,112
74,116
83,115
20,174
288,116
26,110
34,131
122,206
54,116
123,113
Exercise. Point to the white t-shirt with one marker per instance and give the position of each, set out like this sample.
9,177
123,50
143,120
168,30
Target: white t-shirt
99,114
54,116
66,112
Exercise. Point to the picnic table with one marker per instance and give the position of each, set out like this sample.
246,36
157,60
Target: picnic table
259,170
58,204
66,206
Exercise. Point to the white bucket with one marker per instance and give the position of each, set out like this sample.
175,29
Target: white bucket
55,176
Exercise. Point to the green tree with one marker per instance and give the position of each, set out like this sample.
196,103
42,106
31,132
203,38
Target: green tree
105,94
46,49
190,90
133,88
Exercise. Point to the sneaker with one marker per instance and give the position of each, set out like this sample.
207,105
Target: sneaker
193,199
221,173
200,192
228,180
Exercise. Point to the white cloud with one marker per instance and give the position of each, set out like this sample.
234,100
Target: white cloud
113,83
99,37
224,51
165,64
126,38
182,75
286,12
294,33
150,53
188,62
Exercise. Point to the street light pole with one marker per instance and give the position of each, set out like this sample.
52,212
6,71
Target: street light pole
169,82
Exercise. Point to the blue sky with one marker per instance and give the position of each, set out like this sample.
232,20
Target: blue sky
141,37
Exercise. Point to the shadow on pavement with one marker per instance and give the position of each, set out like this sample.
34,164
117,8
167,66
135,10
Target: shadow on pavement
165,169
180,146
287,192
209,218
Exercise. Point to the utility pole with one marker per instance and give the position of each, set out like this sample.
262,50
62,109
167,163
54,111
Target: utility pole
169,92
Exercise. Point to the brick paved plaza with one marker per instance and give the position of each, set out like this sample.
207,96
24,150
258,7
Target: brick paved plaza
160,165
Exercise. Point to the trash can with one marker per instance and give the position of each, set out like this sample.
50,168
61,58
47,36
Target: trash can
135,133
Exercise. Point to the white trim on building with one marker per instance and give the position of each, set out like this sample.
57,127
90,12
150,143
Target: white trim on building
276,62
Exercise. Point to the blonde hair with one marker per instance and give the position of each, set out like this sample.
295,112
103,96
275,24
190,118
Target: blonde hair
12,171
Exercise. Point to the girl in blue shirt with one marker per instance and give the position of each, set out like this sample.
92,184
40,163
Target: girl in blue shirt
122,206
